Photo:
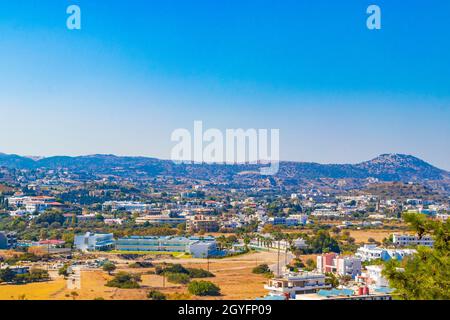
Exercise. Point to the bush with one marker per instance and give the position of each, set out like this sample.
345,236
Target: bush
199,273
261,269
156,295
180,278
203,288
125,280
141,265
176,268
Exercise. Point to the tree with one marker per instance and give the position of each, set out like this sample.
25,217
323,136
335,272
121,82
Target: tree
426,274
331,279
64,271
109,267
203,288
323,242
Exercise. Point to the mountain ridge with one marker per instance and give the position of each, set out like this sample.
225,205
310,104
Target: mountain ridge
386,167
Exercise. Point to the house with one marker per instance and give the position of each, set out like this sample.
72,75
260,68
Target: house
293,284
94,242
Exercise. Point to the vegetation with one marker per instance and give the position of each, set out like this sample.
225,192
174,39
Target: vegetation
203,288
156,295
180,278
262,269
109,267
125,280
426,274
35,275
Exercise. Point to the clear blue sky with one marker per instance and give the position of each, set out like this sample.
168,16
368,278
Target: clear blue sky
140,69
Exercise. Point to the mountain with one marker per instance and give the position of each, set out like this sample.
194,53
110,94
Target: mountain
386,167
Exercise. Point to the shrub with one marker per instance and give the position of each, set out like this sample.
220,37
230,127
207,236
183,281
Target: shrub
180,278
261,269
176,268
203,288
199,273
156,295
125,280
139,264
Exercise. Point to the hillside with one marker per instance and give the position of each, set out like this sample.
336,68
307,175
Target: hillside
386,167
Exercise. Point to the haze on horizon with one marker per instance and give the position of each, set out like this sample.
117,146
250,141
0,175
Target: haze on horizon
338,92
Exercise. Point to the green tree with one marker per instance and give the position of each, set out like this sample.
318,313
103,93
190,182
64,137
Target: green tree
426,274
109,267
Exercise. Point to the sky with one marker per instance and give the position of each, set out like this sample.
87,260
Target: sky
137,70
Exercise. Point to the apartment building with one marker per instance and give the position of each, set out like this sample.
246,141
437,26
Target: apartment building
341,265
8,240
202,223
160,219
406,240
292,284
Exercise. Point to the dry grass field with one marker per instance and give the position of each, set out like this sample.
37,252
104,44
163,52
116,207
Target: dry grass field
233,275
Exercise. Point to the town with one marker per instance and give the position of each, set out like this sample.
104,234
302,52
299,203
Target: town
70,233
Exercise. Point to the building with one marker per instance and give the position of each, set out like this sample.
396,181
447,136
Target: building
293,284
8,240
361,293
94,242
129,206
202,223
406,240
197,247
341,265
292,220
160,219
373,277
370,252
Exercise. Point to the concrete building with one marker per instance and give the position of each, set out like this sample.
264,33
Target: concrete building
370,252
94,242
8,240
160,220
293,284
405,240
341,265
197,247
202,223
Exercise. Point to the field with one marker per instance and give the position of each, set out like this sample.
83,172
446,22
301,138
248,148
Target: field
233,275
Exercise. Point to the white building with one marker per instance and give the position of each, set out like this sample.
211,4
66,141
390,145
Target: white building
94,242
293,284
341,265
373,277
370,252
411,240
